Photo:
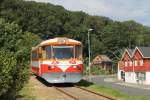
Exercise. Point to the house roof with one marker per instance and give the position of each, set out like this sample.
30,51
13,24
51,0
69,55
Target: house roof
130,51
102,58
145,51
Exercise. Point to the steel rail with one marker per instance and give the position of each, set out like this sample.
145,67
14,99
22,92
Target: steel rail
60,90
110,98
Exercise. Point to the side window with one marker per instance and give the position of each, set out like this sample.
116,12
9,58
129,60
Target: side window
34,55
40,53
48,52
78,51
43,53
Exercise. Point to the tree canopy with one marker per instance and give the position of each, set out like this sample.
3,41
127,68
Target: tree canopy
47,21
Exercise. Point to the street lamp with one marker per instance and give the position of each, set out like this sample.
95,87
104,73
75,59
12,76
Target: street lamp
89,30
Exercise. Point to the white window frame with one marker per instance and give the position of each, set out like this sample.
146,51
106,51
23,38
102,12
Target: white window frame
131,63
135,63
126,63
141,62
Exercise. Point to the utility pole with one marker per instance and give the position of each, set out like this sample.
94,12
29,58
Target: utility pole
89,49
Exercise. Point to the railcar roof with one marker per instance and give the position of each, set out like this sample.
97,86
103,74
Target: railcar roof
58,40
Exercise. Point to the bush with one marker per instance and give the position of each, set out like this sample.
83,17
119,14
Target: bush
7,65
13,75
97,71
14,58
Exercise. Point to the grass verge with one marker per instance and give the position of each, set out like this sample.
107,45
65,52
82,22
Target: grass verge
26,92
108,91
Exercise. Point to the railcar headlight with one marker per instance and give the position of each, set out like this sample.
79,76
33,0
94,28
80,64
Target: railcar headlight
52,67
74,66
49,67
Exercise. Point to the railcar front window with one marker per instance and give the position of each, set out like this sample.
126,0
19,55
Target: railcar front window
63,52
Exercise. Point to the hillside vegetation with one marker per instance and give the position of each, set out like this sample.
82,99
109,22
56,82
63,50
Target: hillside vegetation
23,24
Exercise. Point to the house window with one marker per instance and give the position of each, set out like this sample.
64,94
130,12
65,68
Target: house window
141,62
130,63
135,62
126,64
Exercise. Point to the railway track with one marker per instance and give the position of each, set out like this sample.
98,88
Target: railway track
79,96
62,91
109,98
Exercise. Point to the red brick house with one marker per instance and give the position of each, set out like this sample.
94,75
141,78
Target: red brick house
135,65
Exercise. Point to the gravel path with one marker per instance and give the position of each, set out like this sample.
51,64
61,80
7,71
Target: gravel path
44,92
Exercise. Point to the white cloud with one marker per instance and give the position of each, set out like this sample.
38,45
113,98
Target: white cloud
116,9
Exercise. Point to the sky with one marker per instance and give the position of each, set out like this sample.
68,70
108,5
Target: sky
120,10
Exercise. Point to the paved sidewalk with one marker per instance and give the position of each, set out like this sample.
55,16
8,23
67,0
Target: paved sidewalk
147,87
113,79
130,89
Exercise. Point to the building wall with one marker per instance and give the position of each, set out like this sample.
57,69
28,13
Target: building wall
119,74
137,55
126,57
147,78
130,77
147,64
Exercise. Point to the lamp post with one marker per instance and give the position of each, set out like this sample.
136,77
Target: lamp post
89,49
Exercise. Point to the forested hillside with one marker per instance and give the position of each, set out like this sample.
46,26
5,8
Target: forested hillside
24,23
47,20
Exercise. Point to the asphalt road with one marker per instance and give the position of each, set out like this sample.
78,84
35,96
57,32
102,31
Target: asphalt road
127,89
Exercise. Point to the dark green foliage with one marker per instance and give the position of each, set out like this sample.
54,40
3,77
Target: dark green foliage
7,65
97,71
47,20
14,58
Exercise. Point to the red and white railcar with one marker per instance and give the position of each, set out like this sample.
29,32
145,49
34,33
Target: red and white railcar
58,60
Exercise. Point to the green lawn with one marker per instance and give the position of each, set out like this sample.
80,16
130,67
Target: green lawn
108,91
26,92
